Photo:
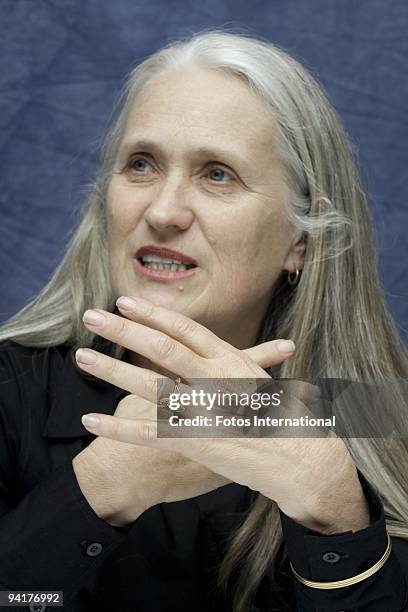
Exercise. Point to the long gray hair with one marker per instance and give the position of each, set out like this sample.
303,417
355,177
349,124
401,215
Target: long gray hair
336,315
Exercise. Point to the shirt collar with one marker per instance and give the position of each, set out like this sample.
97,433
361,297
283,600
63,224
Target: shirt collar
72,395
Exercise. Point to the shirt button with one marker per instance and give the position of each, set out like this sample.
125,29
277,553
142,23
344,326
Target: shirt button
331,557
37,607
94,549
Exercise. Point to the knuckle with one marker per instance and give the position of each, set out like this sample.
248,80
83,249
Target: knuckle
151,386
165,347
122,326
145,431
112,368
116,428
146,310
183,327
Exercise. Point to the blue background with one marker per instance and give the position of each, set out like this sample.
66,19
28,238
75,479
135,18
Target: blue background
62,63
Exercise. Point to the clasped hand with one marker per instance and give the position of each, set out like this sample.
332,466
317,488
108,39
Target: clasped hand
311,479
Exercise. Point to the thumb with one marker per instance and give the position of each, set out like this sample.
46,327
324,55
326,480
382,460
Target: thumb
271,353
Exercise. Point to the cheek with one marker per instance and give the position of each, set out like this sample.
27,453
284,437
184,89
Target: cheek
274,236
123,213
254,245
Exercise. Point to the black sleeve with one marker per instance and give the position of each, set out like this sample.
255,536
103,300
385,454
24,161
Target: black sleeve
53,539
50,536
321,557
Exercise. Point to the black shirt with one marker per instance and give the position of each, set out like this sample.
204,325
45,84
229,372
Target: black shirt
51,539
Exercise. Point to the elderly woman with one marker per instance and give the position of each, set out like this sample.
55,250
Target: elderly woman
227,236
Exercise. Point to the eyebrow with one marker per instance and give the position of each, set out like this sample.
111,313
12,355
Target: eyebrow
212,152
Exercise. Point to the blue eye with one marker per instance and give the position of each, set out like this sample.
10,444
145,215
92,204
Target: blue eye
136,164
216,174
220,174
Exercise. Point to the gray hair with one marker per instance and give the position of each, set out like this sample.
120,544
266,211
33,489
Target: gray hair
336,315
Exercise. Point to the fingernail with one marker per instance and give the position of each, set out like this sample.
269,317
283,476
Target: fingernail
286,346
126,303
86,356
93,317
92,422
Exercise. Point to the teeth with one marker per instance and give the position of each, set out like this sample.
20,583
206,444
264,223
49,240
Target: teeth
158,259
165,266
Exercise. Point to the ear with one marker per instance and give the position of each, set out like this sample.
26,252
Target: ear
296,254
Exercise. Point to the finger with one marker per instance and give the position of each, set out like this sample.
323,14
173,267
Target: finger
271,353
155,345
139,381
131,431
214,454
193,335
141,432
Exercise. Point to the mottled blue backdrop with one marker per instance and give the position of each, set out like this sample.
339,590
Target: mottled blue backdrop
64,61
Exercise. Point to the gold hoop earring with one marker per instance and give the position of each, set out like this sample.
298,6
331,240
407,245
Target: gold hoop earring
293,277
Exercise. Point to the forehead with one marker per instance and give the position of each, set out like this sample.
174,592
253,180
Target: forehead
193,102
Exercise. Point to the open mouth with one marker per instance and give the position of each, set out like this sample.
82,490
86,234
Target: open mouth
153,262
163,269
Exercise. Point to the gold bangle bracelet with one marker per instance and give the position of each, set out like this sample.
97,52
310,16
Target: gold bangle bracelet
339,584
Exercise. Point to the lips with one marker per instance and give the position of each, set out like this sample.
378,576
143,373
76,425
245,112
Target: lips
165,252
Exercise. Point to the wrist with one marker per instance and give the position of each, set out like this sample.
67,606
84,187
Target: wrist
101,493
331,521
92,486
338,511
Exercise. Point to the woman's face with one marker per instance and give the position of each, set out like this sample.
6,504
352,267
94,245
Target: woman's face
197,173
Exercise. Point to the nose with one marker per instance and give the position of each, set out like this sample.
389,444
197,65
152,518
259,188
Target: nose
169,210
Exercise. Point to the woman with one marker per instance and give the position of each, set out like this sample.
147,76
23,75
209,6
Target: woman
227,213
